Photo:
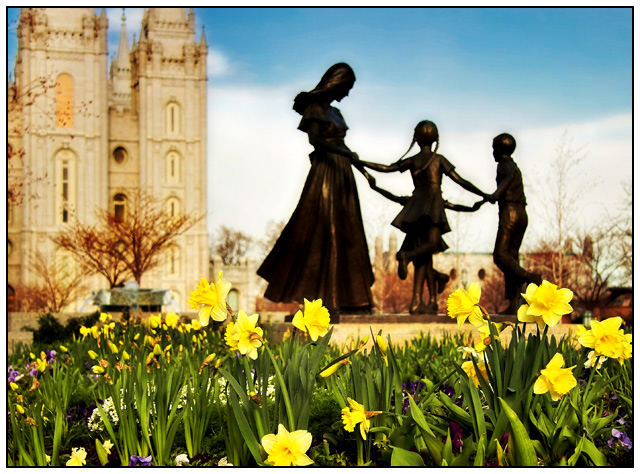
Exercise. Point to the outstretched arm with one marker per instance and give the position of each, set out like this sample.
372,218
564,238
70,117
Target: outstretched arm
399,199
382,168
502,187
461,208
466,184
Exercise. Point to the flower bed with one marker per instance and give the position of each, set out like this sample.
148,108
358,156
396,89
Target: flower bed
174,391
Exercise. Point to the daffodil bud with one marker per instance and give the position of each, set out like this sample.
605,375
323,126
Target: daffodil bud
93,355
96,369
32,355
113,347
64,349
20,409
168,348
125,356
157,350
332,369
136,337
382,345
14,386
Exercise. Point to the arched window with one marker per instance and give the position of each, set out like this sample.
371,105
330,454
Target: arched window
173,262
11,299
173,207
64,101
120,207
119,155
173,167
233,298
173,118
65,184
482,274
9,247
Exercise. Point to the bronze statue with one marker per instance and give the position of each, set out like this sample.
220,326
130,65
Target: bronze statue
512,221
322,251
423,219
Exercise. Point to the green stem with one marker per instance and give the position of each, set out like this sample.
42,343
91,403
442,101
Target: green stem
359,443
285,392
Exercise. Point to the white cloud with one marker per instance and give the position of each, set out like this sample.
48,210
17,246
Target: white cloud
258,164
217,63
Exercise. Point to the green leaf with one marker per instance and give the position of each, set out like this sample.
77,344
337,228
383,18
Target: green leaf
525,453
479,459
102,453
402,457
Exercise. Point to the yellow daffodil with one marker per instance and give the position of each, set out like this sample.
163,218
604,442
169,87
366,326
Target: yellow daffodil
19,409
607,339
64,349
287,335
107,445
32,355
42,365
171,320
472,351
247,334
95,332
315,319
464,305
96,369
113,347
13,385
213,298
195,324
383,346
157,350
228,337
354,414
78,456
93,355
84,331
155,320
125,355
332,369
287,449
554,379
105,318
471,371
546,301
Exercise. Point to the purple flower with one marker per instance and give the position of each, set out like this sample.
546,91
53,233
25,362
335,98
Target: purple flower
456,436
621,438
448,390
13,375
621,421
140,461
33,372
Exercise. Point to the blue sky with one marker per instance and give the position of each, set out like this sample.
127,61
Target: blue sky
476,72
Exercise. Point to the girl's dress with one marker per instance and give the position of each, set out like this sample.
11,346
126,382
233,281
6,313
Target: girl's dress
425,208
322,251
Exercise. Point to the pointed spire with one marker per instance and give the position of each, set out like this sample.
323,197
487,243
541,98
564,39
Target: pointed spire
103,13
122,60
203,40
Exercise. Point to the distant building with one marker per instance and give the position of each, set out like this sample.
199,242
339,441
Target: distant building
104,131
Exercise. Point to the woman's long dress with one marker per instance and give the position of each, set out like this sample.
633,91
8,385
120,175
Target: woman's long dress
322,251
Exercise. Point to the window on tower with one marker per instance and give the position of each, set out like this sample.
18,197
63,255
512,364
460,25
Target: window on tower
173,168
64,101
173,119
120,207
119,155
65,185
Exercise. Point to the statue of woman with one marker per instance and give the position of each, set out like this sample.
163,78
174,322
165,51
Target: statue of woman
322,251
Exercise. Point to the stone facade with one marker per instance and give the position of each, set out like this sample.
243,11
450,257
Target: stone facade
99,135
246,285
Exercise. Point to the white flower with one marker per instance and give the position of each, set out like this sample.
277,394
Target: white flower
591,358
224,462
182,459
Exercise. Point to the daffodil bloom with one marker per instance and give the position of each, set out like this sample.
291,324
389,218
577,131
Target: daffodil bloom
463,305
383,346
287,449
96,369
171,320
195,324
473,351
84,331
113,347
181,459
213,298
107,445
95,332
591,360
485,332
78,456
315,320
554,379
154,321
354,414
607,339
105,317
42,365
228,337
471,371
47,458
286,335
332,369
546,301
247,334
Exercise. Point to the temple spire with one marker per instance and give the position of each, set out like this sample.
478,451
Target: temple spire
122,60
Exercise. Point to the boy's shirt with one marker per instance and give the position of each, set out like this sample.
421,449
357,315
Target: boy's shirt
515,192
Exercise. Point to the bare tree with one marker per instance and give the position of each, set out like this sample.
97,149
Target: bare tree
56,287
231,245
128,244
